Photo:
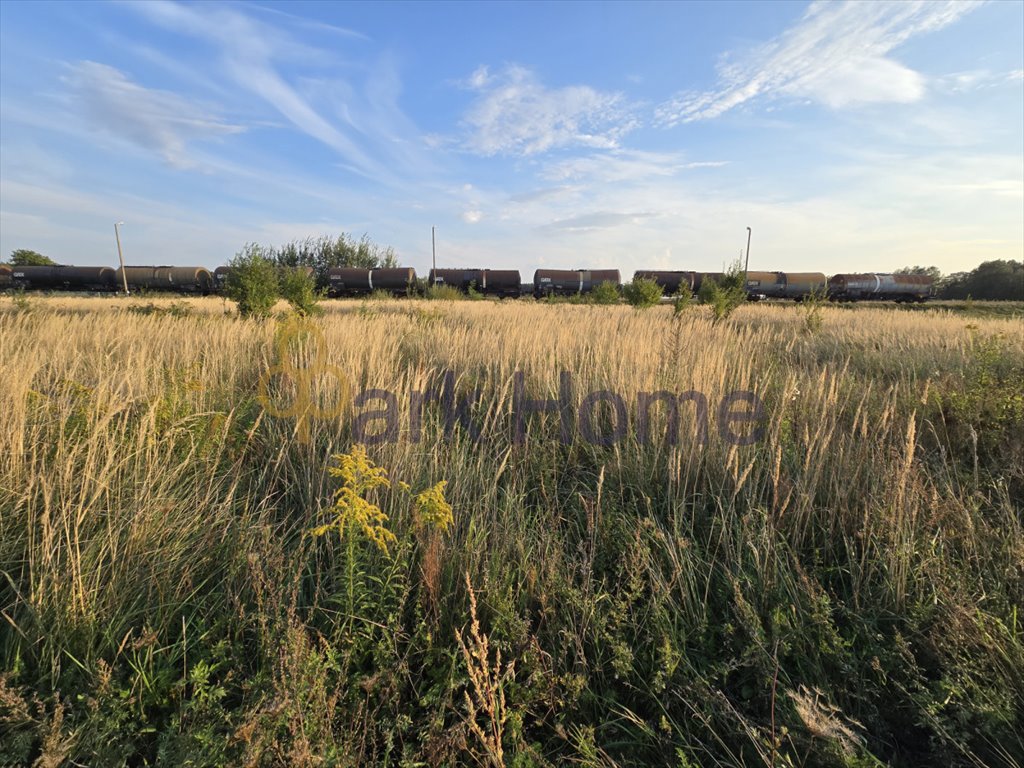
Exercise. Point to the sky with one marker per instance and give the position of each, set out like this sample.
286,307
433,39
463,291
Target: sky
858,136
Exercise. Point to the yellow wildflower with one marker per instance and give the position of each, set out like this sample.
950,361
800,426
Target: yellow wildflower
431,508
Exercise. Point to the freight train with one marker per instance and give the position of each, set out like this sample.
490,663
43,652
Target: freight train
502,283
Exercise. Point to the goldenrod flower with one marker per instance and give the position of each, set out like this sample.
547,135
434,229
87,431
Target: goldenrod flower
431,508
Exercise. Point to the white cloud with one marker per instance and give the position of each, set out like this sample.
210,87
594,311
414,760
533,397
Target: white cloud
589,222
515,113
266,60
472,217
837,55
623,165
978,79
153,119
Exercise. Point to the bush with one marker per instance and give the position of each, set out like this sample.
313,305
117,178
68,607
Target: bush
723,296
682,303
443,293
253,282
606,293
298,288
811,308
642,293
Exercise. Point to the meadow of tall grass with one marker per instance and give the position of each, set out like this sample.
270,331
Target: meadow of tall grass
188,579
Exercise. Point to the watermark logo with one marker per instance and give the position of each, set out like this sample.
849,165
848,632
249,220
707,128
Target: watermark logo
295,341
304,380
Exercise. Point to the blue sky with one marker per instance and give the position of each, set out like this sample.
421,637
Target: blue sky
849,136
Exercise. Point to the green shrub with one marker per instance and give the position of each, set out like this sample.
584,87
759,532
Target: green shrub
642,293
811,308
298,288
253,282
443,293
724,295
682,303
605,293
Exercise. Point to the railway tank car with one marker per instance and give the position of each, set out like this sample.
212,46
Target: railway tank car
5,278
763,285
785,285
63,278
504,283
352,281
220,278
880,287
671,282
699,278
178,279
570,282
799,285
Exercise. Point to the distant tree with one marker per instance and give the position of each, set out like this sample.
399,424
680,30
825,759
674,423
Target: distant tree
26,258
253,282
933,272
993,280
322,253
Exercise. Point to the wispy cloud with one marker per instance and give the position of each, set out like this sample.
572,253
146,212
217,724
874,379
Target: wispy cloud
266,60
624,165
978,80
598,220
153,119
515,114
836,55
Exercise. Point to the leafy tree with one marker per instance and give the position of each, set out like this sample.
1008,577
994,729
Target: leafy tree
322,253
933,272
992,280
643,293
298,288
253,282
23,257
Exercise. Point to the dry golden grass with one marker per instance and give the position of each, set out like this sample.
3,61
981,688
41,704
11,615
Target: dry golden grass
145,490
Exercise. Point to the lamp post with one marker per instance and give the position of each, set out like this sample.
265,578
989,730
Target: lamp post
746,265
433,252
120,256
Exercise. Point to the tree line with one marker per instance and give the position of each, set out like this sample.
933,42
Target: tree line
999,280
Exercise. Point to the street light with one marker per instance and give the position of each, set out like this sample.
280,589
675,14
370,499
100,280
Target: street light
746,265
120,256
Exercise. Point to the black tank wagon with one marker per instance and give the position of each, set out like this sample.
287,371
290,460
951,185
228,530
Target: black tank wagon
671,282
64,278
352,281
177,279
504,283
570,282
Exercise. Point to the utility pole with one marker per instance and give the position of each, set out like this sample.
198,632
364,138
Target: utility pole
433,252
746,265
120,256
